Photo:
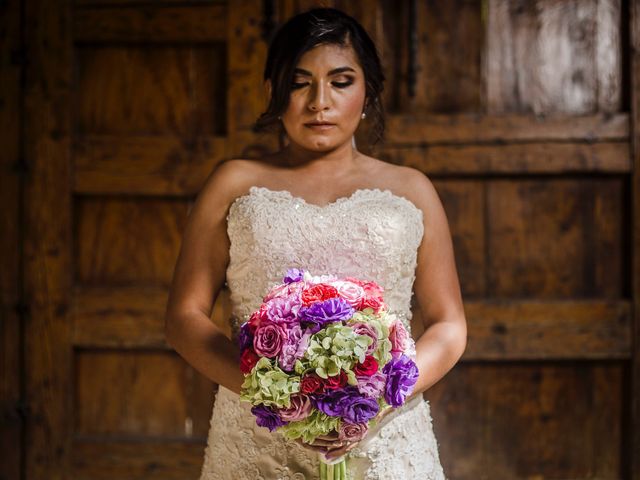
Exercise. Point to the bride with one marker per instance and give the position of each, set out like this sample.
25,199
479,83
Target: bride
320,205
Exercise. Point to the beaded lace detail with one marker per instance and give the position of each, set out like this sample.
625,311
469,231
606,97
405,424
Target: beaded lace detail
372,234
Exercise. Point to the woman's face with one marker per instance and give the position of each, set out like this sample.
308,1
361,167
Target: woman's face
327,98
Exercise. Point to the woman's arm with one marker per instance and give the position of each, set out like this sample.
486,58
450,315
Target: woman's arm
437,291
199,275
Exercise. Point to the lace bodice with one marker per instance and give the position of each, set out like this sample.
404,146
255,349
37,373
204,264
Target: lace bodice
373,235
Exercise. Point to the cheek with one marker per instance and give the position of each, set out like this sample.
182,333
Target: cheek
353,105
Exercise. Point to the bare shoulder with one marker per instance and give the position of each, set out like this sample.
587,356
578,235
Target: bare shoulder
408,182
231,179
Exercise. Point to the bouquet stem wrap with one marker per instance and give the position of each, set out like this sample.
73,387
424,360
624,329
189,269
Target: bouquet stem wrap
333,470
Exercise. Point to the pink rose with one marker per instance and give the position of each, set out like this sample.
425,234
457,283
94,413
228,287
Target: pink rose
399,337
268,339
353,432
351,292
300,408
277,292
361,328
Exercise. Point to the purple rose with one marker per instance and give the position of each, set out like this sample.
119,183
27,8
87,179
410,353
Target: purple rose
372,386
360,409
402,375
294,347
348,404
267,417
293,275
353,432
329,402
300,408
331,310
245,337
369,330
283,309
269,338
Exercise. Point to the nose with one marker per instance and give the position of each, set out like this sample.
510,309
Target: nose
319,98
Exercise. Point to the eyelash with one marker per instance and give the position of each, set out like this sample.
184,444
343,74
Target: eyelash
296,86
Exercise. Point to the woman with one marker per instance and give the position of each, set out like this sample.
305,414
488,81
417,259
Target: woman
320,205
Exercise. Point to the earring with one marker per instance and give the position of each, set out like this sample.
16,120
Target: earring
363,116
279,117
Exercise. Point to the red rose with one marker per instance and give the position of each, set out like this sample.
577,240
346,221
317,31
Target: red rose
311,384
336,382
318,293
248,360
375,303
367,368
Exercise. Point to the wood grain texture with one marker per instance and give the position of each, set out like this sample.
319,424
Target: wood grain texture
127,241
548,56
546,330
471,128
11,295
173,90
141,394
518,158
633,426
145,164
48,238
559,238
524,420
150,23
168,460
129,317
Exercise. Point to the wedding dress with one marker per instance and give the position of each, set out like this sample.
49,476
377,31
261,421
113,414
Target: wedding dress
373,235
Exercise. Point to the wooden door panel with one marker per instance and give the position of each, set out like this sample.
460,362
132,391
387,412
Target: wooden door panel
139,393
125,241
521,420
151,89
555,238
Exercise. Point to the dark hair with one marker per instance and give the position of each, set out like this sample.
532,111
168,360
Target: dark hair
306,31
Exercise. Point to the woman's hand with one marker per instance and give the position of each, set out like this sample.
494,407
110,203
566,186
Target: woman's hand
332,447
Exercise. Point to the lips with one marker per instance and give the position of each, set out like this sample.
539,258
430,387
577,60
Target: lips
320,126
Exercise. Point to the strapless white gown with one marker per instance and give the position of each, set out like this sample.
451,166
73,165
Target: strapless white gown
372,234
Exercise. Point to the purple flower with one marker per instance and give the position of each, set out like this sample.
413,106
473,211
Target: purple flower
329,403
267,417
293,275
372,386
402,375
294,347
245,337
321,313
360,410
348,404
283,309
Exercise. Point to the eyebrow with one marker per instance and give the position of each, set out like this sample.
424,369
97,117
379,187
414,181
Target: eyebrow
335,71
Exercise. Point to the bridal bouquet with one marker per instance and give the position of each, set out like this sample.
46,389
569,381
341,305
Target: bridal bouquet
322,355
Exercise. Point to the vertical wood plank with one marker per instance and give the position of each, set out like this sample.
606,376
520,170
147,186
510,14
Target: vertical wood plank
246,53
634,425
47,270
11,423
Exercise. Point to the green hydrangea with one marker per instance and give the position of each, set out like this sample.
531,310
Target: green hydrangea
269,385
316,424
334,348
381,322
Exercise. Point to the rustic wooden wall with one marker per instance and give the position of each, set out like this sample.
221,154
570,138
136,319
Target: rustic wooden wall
525,116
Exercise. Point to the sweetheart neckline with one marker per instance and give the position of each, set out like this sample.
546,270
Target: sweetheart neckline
337,201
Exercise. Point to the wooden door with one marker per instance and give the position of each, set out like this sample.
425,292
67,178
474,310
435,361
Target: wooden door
129,107
524,114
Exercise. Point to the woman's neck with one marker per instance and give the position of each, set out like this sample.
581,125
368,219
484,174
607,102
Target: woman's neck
341,159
